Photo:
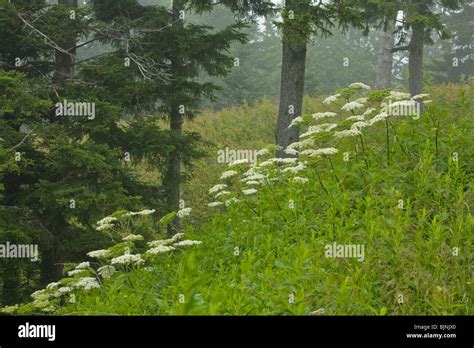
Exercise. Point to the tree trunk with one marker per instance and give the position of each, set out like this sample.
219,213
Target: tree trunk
415,65
173,174
385,57
291,86
65,63
51,268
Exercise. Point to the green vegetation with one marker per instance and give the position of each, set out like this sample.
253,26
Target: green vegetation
406,197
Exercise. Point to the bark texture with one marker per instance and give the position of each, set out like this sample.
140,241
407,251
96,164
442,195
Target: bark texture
291,88
415,65
385,57
65,62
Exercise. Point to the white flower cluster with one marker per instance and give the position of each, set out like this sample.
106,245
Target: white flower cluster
159,249
62,291
106,271
98,254
359,85
188,243
331,99
143,212
354,105
228,174
320,115
296,121
184,212
132,237
127,259
87,283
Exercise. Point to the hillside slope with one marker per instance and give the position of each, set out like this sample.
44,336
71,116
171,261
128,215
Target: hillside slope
373,219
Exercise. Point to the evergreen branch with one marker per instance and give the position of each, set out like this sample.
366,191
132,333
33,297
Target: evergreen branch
48,41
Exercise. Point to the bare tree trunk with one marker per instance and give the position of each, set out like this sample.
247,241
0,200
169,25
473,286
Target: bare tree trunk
385,57
415,65
173,174
65,63
291,86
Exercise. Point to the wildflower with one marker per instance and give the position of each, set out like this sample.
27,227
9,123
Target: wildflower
294,169
327,127
159,249
104,227
398,95
420,96
106,271
107,220
380,117
127,259
62,291
427,101
368,111
317,312
74,272
320,115
307,143
296,121
327,151
347,133
295,145
9,309
300,180
311,130
356,117
143,212
263,152
359,125
188,243
331,99
228,174
240,161
87,283
254,177
359,85
217,188
253,182
250,172
266,163
291,152
231,201
98,253
83,265
222,193
361,100
249,191
285,160
160,242
132,237
52,285
309,152
40,295
49,309
352,106
177,236
214,204
184,212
